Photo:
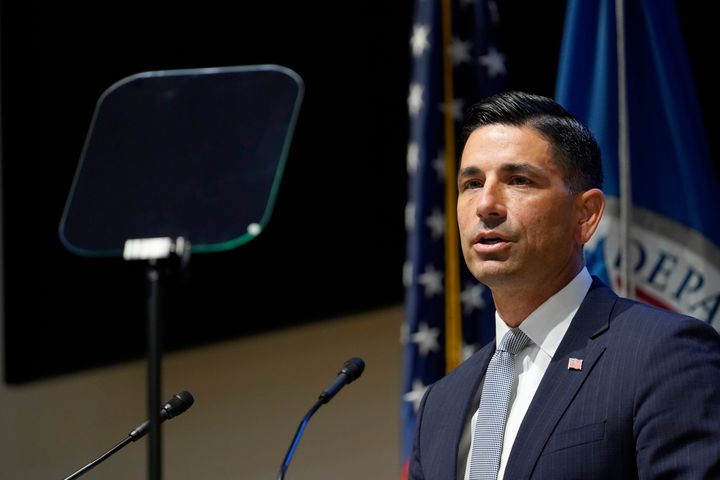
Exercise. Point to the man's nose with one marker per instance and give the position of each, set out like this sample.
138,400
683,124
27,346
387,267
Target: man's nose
491,202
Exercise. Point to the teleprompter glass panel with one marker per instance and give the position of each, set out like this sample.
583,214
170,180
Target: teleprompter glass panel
195,153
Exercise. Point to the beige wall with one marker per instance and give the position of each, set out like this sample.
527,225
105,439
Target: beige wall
250,395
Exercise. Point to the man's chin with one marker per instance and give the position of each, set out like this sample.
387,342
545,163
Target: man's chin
492,273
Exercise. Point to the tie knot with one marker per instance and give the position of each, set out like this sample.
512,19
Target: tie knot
514,341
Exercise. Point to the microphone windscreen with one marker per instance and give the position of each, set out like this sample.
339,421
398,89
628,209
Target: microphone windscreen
353,368
180,402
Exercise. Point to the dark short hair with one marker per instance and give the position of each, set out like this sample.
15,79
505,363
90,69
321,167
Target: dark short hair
577,151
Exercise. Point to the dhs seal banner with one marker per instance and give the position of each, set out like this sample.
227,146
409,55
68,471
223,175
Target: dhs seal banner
675,230
674,267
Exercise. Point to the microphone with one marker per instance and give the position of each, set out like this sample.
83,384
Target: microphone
179,402
351,370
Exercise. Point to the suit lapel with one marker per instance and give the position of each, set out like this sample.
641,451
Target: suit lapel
465,387
559,385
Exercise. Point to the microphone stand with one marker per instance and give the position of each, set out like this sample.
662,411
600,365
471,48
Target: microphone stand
352,369
296,438
100,459
180,402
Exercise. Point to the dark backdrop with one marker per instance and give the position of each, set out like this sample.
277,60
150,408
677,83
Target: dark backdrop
335,243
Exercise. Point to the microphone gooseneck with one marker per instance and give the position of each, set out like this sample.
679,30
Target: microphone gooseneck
351,370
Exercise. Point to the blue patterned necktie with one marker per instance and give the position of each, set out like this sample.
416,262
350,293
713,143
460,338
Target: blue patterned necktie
493,410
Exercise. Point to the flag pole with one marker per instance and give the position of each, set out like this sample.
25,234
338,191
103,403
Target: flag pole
453,326
627,287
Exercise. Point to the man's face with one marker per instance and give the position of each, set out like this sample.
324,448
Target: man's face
516,215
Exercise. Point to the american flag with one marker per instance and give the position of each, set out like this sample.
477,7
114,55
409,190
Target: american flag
457,59
575,363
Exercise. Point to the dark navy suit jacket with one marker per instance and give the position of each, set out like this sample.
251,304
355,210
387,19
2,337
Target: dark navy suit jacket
646,403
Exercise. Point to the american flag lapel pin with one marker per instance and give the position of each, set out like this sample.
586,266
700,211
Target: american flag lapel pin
575,364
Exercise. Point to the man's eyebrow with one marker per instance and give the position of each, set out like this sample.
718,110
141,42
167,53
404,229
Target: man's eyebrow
521,168
472,171
468,172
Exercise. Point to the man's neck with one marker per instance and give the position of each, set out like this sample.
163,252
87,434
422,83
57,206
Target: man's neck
515,304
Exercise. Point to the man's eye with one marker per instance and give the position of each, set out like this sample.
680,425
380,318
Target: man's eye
519,181
471,184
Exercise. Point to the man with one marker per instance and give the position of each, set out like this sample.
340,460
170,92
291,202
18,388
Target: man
606,388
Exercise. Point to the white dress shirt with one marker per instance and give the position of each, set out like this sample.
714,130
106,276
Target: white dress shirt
546,327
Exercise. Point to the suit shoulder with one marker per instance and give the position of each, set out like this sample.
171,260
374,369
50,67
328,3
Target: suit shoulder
632,317
635,314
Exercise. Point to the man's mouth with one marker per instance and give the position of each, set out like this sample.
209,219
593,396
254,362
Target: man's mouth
490,237
489,243
491,240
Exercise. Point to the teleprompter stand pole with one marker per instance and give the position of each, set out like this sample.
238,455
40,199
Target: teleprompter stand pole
159,254
154,376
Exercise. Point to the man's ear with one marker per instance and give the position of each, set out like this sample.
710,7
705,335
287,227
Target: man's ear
590,206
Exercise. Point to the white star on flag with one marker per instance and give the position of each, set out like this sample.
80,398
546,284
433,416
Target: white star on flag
460,51
438,165
413,157
436,223
426,339
415,395
419,40
494,61
456,108
407,273
471,297
415,101
431,280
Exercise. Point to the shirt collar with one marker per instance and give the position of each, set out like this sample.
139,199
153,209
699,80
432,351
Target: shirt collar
547,324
